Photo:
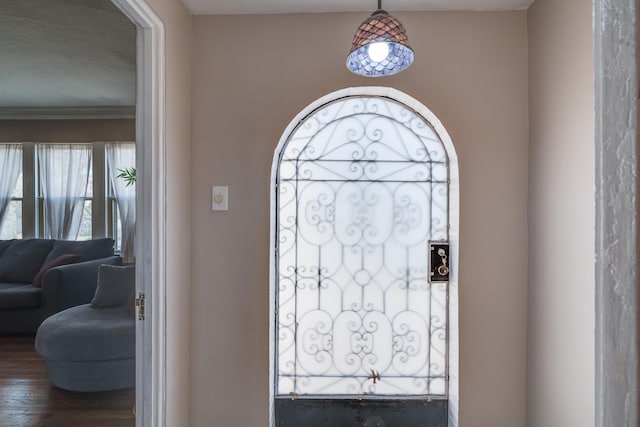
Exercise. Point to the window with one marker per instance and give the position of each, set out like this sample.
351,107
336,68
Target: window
10,191
122,196
61,188
361,187
12,223
65,193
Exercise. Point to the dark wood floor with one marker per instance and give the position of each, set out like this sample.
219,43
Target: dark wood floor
27,399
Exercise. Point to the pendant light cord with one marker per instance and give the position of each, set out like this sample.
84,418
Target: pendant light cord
379,4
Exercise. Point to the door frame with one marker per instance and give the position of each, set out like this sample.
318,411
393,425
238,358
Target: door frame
616,305
150,205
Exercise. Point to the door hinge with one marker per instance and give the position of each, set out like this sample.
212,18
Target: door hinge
140,305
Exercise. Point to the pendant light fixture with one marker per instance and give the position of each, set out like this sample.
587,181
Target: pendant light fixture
380,46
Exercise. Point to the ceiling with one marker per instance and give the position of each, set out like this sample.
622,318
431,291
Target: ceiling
219,7
78,57
71,54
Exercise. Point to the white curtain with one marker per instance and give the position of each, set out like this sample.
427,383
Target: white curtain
121,156
64,174
10,168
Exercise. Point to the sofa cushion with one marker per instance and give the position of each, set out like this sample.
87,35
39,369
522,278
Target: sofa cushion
61,260
115,284
4,245
86,249
19,295
22,260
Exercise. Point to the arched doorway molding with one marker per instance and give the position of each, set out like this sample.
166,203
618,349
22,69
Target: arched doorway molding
422,110
150,232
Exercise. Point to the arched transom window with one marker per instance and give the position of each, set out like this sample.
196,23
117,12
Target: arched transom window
361,195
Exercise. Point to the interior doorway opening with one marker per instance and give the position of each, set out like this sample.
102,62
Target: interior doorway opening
149,135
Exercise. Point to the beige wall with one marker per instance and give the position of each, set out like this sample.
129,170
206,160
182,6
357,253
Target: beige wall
177,24
561,321
251,76
67,130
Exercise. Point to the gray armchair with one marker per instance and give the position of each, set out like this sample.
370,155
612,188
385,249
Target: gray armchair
91,347
70,285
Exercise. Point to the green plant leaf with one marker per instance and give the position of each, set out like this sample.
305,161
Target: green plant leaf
128,175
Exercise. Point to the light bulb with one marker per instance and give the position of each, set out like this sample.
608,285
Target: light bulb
378,51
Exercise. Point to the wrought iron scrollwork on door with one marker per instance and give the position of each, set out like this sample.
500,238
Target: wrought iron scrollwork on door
362,190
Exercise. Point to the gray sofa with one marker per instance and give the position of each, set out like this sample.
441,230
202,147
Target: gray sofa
66,273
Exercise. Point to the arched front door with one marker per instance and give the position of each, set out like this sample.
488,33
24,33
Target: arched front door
362,220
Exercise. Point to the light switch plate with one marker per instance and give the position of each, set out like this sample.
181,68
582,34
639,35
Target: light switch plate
220,198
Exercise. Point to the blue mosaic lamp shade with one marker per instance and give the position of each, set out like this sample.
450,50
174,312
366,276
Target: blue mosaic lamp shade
380,47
